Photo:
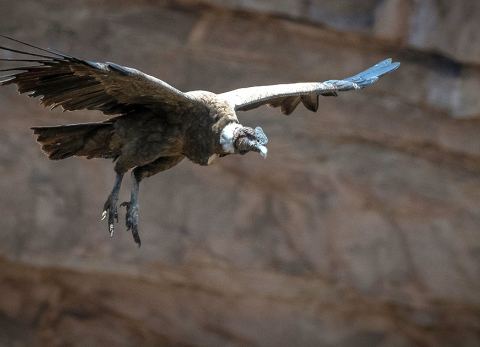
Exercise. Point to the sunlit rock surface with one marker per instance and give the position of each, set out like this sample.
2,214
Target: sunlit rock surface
362,228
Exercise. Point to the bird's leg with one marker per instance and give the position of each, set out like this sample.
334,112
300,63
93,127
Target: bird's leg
139,173
110,206
131,219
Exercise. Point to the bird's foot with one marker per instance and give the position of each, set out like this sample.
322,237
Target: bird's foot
131,220
110,211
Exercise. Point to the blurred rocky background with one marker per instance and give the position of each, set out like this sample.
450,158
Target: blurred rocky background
362,228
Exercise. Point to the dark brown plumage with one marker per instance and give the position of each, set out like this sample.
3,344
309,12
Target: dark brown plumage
154,126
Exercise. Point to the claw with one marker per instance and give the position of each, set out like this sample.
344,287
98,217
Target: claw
136,238
110,206
110,212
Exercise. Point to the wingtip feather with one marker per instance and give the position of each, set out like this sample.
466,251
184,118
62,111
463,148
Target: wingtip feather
372,74
50,51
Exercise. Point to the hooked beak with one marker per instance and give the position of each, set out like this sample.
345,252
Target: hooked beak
262,150
262,140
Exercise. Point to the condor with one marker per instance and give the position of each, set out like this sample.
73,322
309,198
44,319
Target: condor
153,125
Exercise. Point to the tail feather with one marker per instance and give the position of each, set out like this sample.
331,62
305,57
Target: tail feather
91,140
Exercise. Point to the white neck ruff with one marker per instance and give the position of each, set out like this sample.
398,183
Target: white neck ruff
226,137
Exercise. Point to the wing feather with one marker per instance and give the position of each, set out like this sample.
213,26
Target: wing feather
289,104
74,84
310,101
288,96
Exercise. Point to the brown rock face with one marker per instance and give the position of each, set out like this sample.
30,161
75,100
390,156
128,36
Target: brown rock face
362,228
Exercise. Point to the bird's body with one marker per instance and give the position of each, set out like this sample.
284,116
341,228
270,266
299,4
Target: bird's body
153,125
139,137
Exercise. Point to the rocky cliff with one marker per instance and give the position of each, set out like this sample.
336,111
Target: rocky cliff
362,228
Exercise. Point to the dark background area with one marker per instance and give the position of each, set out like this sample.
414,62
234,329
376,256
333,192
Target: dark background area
362,228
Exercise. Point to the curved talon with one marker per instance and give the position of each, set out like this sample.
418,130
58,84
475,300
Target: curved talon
110,211
110,206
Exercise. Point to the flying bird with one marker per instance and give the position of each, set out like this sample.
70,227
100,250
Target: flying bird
153,126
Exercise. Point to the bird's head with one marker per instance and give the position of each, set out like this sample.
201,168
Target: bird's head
235,138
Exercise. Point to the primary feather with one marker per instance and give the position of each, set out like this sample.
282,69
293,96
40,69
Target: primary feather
75,84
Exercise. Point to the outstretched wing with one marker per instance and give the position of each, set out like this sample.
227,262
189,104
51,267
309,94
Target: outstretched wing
75,84
288,96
